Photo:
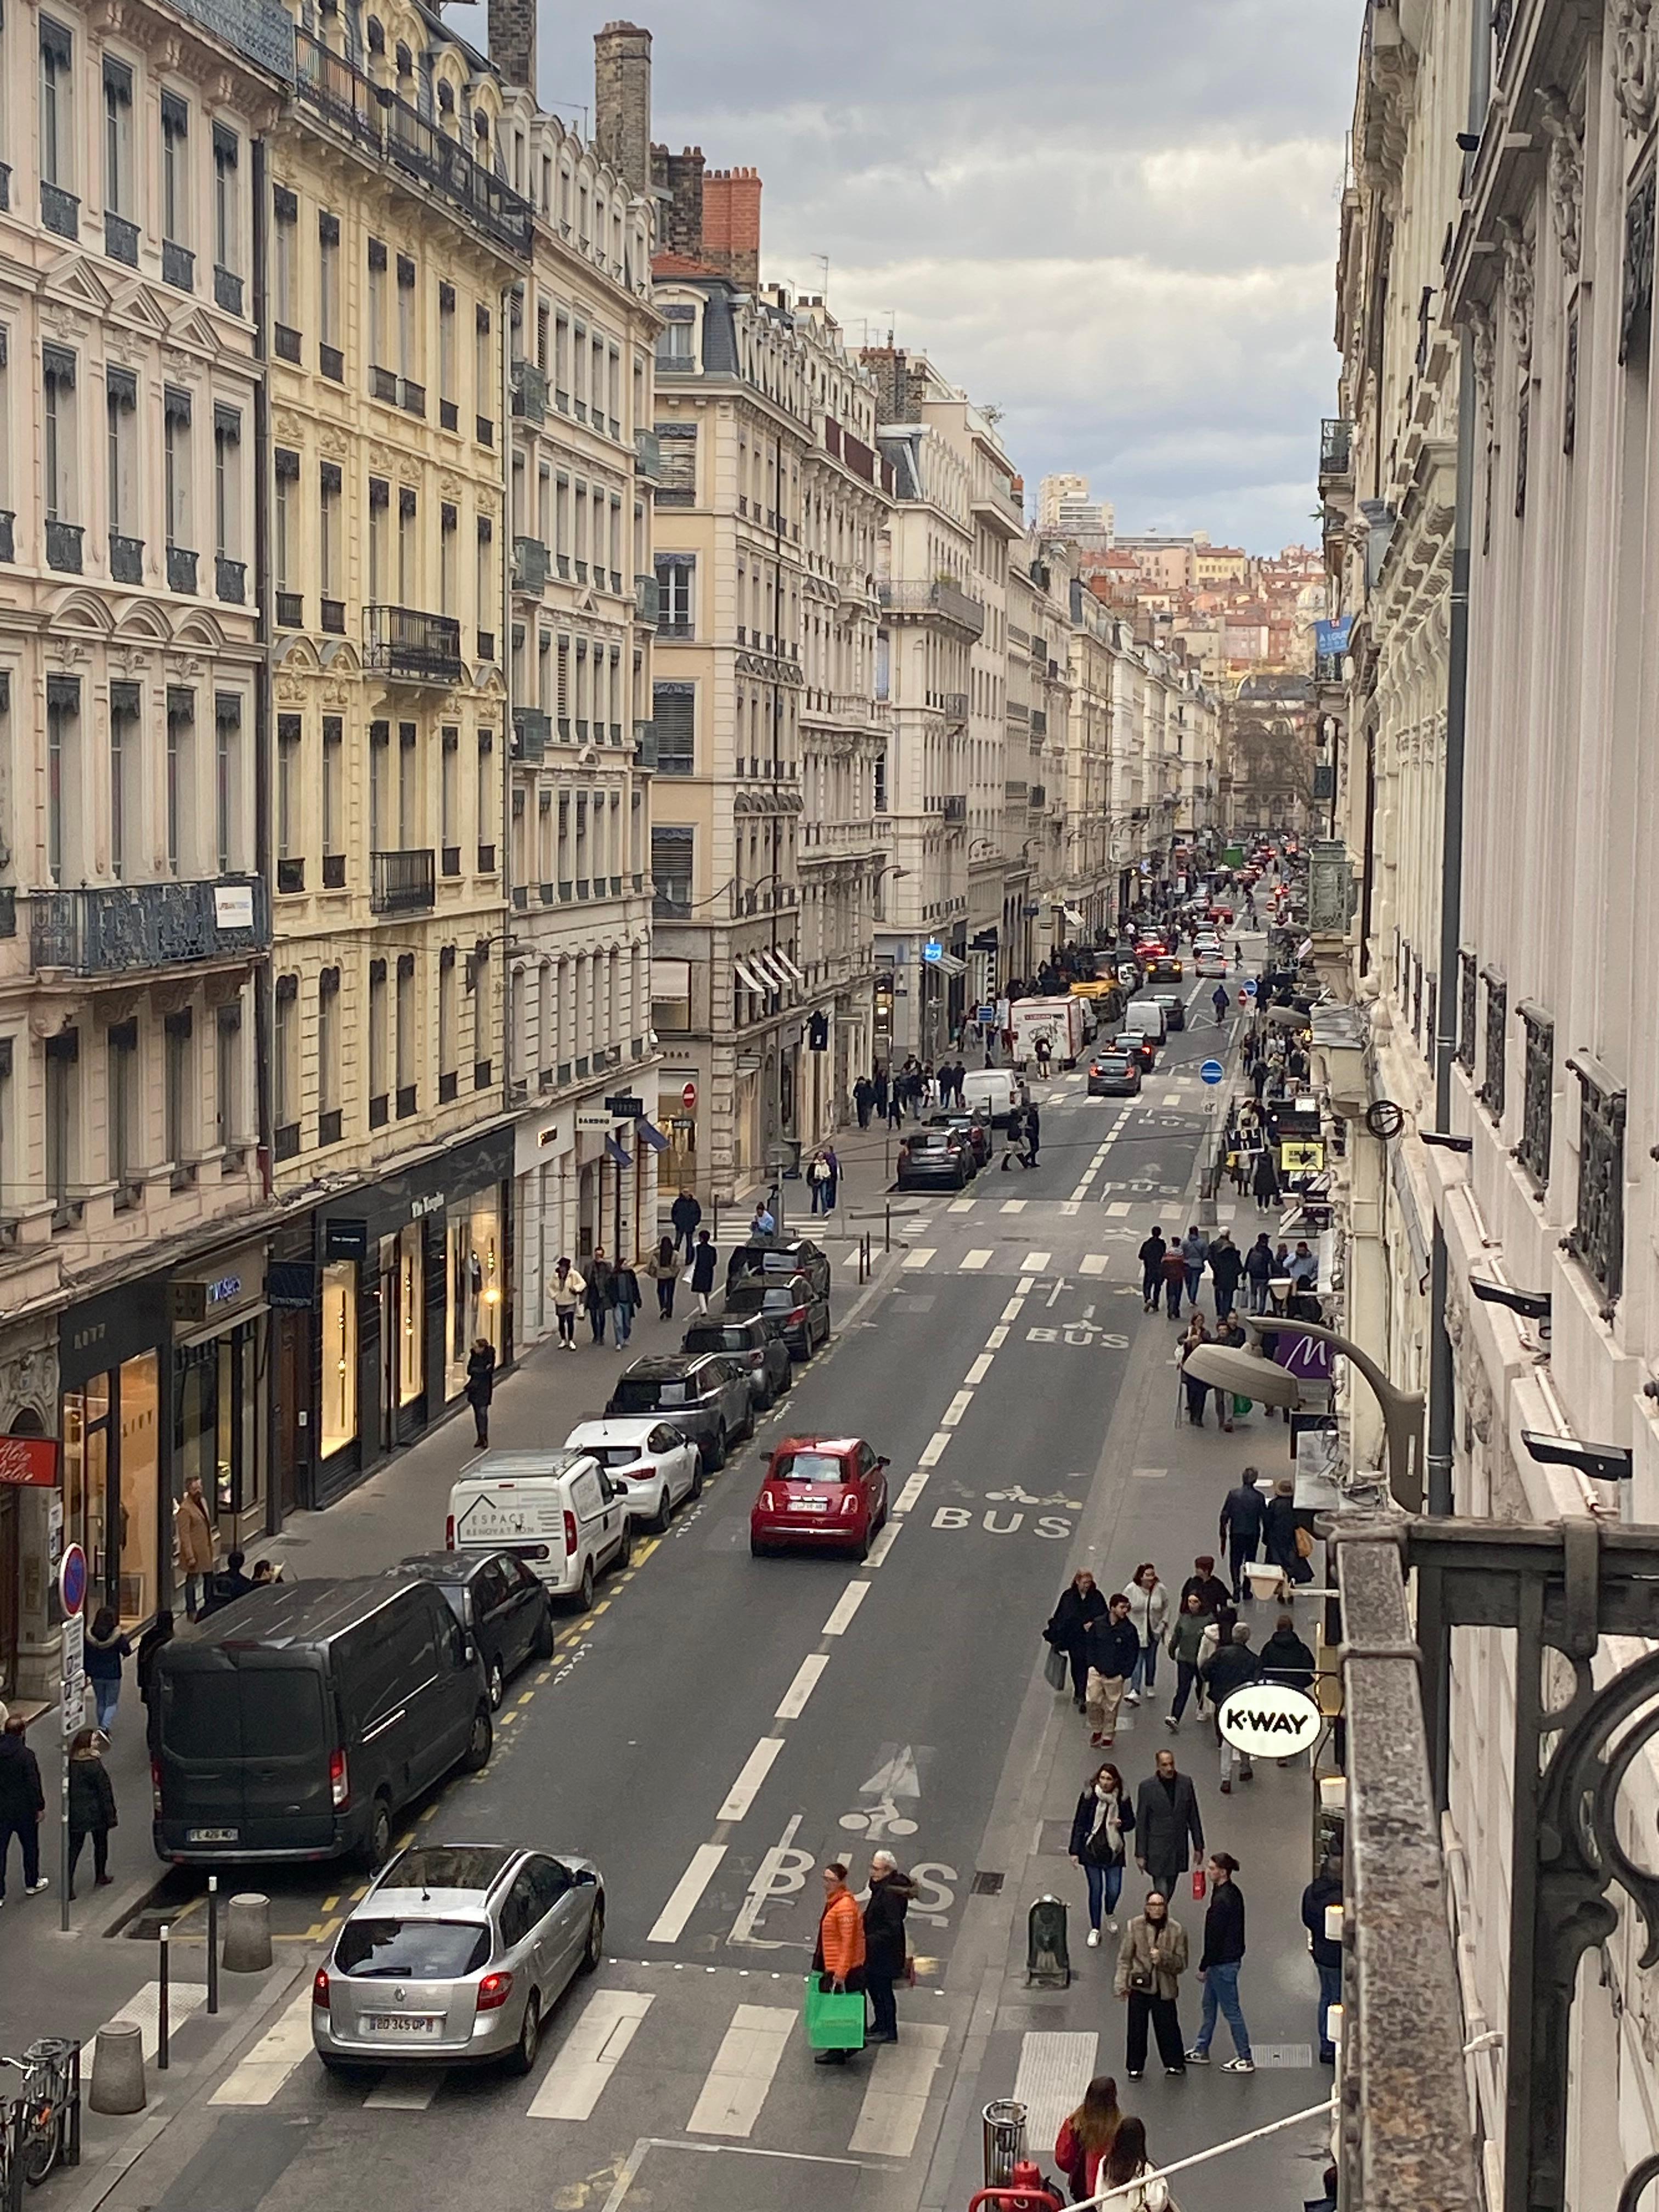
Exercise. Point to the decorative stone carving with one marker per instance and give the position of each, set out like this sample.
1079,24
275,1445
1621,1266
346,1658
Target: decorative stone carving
1630,45
1517,287
1566,174
1480,339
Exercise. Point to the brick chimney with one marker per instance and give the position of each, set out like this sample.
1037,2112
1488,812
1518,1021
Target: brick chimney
622,100
731,225
512,40
678,179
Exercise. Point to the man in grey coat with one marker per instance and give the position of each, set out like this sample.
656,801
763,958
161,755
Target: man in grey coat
1168,1830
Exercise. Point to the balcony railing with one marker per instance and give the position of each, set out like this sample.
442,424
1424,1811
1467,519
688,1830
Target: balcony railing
532,729
1497,1002
255,28
182,569
531,564
63,547
648,455
1467,1005
420,647
1537,1093
126,559
8,534
1335,450
954,806
1597,1236
136,926
404,883
955,704
120,238
229,579
942,598
648,600
60,211
529,393
177,265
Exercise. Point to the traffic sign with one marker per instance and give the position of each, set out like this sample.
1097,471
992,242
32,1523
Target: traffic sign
1247,989
72,1579
932,950
688,1097
1212,1071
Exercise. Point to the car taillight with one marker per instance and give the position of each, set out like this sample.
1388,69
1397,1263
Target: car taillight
155,1786
1093,1069
449,1532
494,1991
570,1536
339,1781
320,1987
797,1313
769,1504
850,1502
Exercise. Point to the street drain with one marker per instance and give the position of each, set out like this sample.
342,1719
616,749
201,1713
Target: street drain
985,1885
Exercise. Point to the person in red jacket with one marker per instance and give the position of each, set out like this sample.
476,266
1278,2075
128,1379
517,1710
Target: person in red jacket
840,1952
1086,2137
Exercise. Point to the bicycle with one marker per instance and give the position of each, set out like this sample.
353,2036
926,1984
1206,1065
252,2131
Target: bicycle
49,2096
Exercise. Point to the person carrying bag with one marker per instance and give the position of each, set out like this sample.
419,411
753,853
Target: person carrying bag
834,2010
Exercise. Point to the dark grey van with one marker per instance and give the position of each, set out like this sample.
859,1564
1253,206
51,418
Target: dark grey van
298,1725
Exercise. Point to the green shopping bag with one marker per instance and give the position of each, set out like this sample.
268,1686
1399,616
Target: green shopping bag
834,2018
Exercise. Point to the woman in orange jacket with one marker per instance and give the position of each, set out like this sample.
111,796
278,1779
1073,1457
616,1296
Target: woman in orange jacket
840,1952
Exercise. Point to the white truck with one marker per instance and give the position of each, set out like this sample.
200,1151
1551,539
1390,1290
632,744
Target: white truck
1060,1020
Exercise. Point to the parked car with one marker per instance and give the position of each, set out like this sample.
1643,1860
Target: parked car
501,1603
1174,1009
458,1954
304,1731
934,1159
657,1464
1139,1045
779,1255
558,1511
820,1491
973,1126
795,1311
996,1092
1114,1075
703,1394
760,1350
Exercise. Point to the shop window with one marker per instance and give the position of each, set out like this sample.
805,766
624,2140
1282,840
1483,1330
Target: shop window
339,1336
474,1272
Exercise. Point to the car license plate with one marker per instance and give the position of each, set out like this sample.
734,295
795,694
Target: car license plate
402,2023
812,1505
212,1835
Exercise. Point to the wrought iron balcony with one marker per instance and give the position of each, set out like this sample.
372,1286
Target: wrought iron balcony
131,927
290,611
404,882
60,211
229,579
531,564
955,704
532,729
465,187
227,289
529,393
1597,1236
1537,1093
120,238
648,600
941,598
954,806
1335,451
8,534
648,455
257,29
1468,1014
337,93
285,344
63,547
178,266
420,647
1497,1001
182,569
126,559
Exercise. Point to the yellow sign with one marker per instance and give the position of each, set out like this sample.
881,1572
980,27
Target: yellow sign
1296,1158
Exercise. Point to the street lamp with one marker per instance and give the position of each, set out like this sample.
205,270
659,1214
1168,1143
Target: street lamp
1253,1375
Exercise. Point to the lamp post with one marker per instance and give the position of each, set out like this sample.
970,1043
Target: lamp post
1253,1375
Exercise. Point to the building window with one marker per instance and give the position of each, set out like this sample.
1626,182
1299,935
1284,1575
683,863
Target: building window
286,465
447,395
63,770
227,1077
483,374
671,853
403,1062
673,717
227,484
376,304
228,781
331,572
122,1108
175,457
288,775
448,530
118,138
409,787
121,420
126,780
377,1044
676,340
449,819
1597,1236
489,806
328,1053
285,1067
409,588
408,321
285,270
677,578
677,474
176,225
329,325
227,202
380,510
57,373
178,1096
57,105
180,764
333,786
380,742
484,577
447,1024
62,1124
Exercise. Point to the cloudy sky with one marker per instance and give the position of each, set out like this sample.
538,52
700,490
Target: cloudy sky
1115,220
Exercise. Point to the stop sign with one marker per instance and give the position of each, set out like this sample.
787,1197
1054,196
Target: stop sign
688,1097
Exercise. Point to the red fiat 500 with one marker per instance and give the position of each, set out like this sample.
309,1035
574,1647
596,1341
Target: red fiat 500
820,1491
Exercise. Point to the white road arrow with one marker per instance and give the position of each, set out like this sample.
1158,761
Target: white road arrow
896,1778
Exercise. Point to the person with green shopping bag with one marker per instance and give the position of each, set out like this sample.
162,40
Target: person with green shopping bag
835,1988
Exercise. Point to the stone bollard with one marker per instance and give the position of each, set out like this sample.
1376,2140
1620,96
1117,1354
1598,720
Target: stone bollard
247,1934
117,2069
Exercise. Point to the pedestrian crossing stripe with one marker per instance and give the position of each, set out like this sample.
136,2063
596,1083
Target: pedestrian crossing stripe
590,2055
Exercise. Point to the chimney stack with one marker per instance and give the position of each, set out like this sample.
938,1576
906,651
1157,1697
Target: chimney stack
731,225
621,99
512,40
678,180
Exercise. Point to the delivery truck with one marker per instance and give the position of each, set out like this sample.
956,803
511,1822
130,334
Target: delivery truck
1061,1020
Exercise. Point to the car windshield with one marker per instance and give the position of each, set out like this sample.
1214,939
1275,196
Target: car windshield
811,1466
642,1393
418,1950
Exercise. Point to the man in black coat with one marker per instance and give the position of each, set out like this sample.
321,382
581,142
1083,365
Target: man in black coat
1285,1658
22,1802
884,1947
1081,1601
1229,1667
1226,1266
1325,1889
1152,1269
684,1215
1033,1133
1241,1528
1168,1829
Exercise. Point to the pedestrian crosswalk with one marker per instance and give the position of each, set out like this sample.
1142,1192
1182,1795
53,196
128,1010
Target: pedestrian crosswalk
720,2054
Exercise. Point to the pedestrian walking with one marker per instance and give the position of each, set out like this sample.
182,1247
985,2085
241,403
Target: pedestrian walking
194,1528
1168,1829
106,1651
1128,2169
684,1215
1113,1648
1210,1588
882,1088
1286,1542
22,1802
1151,1960
886,1949
1226,1264
1044,1054
702,1271
1104,1817
664,1269
1218,1965
1220,1002
839,1955
1258,1273
91,1805
1197,1392
568,1289
1323,1891
1264,1181
481,1386
1152,1269
1174,1280
625,1299
1033,1134
1186,1641
1287,1658
817,1182
1242,1512
895,1106
1227,1669
1149,1609
864,1099
159,1632
1195,1250
1086,2136
1080,1602
597,1295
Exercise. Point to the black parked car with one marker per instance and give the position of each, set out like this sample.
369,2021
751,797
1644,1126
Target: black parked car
779,1255
793,1310
703,1394
502,1605
1174,1009
970,1127
762,1351
1114,1075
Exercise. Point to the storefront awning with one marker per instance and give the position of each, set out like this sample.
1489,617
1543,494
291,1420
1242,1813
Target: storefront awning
613,1151
1073,917
751,981
948,964
785,963
648,1134
768,964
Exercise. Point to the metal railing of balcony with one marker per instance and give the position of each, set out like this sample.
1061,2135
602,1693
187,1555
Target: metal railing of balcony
403,642
648,600
940,597
647,454
136,926
63,546
531,564
954,806
1335,447
529,391
1597,1236
404,882
531,730
259,31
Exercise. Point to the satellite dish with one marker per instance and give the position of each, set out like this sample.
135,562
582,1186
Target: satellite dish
1384,1119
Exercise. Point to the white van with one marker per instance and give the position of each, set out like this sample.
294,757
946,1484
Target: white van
994,1091
1147,1016
558,1511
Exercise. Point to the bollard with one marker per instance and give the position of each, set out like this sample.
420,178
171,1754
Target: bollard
213,1943
117,2069
247,1934
1003,2126
164,2009
887,1233
1048,1959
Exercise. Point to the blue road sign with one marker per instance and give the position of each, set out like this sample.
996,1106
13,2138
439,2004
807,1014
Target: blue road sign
72,1578
1247,989
932,950
1212,1071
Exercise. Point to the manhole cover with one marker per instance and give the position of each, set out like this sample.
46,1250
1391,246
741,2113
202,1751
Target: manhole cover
985,1885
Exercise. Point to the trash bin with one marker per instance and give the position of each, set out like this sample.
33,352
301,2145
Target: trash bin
1004,2139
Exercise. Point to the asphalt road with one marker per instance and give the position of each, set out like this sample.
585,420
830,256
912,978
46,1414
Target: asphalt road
723,1725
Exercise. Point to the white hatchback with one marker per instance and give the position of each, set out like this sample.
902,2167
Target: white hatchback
655,1463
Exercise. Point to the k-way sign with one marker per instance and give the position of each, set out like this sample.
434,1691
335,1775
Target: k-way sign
1269,1719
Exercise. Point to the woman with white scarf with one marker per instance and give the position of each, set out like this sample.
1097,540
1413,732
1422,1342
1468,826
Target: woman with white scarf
1103,1818
1149,1609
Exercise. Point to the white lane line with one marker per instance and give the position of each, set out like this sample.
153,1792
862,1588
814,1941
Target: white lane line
884,1543
960,1205
977,1373
970,1261
920,1257
735,2087
793,1704
852,1258
957,1406
933,1451
906,1502
404,2092
1036,1261
144,2006
1120,1206
590,2055
1093,1263
761,1890
1011,1311
841,1619
756,1768
687,1895
891,2114
1080,1193
1013,1205
1027,1284
997,1339
257,2078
